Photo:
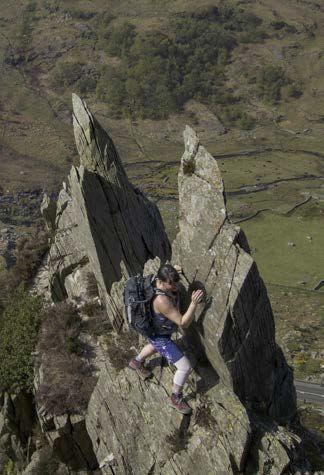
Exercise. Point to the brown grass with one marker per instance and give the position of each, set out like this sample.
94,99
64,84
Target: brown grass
97,323
119,348
66,362
29,254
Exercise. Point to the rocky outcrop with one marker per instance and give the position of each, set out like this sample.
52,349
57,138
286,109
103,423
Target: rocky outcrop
104,226
241,387
16,423
235,327
132,421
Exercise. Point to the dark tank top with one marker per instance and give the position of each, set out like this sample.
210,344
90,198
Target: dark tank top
161,324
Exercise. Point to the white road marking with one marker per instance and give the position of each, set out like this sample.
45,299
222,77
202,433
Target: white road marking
313,394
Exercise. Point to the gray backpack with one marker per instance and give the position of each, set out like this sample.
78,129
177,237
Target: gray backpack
138,294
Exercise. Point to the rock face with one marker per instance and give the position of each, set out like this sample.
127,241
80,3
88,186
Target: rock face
241,386
104,226
235,327
16,424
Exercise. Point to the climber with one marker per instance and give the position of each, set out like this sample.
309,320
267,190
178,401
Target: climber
166,318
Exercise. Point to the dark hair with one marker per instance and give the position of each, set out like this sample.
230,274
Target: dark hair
167,273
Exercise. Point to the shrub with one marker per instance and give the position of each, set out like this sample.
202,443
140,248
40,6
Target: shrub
189,166
14,56
245,122
18,337
118,347
31,6
204,417
111,89
254,36
234,114
295,90
29,254
20,314
51,6
60,328
68,376
278,24
86,84
105,20
120,38
147,88
79,14
65,74
270,81
282,25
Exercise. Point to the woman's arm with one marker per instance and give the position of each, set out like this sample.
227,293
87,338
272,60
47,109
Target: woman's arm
164,306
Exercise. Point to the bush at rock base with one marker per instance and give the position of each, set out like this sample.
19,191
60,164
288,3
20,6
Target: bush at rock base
65,359
18,337
29,254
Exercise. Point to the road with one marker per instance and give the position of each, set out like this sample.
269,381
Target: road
309,392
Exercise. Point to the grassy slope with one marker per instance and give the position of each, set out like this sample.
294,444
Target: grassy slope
299,318
37,148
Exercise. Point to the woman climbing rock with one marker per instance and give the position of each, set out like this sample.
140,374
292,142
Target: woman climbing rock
166,318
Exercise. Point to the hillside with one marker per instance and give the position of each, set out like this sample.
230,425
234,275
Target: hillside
256,102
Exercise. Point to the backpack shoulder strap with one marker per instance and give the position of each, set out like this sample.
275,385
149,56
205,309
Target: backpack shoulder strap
159,292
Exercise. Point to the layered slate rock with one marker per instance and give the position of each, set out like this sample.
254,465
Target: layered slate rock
104,226
235,327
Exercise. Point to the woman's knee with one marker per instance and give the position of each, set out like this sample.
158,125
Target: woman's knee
183,370
183,364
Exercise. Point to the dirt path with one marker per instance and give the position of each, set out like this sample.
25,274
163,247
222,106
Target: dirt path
260,151
265,186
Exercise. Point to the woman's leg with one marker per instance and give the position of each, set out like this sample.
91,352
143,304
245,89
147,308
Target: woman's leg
147,351
138,363
170,350
181,375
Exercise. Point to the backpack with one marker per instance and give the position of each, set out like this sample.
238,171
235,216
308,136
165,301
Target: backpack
138,294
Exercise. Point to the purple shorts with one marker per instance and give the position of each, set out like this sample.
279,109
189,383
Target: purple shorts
167,348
